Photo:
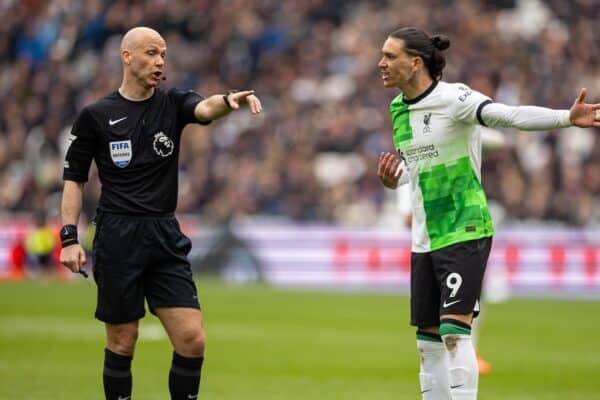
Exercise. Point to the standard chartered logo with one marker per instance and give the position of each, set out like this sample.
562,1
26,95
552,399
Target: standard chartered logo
421,153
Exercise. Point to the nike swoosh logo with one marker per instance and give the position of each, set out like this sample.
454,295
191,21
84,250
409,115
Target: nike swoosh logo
124,398
116,121
192,397
425,391
457,386
446,305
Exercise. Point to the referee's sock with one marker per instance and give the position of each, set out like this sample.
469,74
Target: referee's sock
184,377
117,376
464,373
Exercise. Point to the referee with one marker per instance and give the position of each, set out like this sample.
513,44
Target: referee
139,251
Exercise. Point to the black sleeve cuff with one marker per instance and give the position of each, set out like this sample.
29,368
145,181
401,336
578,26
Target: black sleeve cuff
479,109
68,176
189,107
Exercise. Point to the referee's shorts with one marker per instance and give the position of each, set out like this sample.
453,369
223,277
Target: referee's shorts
137,258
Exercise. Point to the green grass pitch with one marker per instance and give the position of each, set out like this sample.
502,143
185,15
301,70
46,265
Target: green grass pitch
264,343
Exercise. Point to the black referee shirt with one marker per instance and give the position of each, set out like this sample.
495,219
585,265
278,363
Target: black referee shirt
136,147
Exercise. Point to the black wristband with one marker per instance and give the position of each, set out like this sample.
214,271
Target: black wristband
226,98
68,235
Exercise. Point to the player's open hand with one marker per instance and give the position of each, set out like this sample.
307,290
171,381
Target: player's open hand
584,115
247,97
388,171
73,257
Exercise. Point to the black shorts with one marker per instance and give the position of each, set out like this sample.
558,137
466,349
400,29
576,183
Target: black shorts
447,281
137,258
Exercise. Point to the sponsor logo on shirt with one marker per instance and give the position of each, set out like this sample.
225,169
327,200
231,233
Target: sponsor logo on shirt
421,153
120,152
112,122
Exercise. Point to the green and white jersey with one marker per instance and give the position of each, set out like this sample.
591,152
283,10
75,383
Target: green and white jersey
437,135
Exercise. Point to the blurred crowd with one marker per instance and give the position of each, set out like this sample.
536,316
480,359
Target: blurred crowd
312,154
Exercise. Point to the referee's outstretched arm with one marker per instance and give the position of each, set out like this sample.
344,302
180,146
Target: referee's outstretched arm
218,105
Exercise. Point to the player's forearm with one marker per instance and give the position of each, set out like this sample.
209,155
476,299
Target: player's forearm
211,108
527,118
72,200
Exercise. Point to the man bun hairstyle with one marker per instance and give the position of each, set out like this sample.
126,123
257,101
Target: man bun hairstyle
418,43
441,42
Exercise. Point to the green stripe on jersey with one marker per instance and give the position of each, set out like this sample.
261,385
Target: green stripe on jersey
455,204
401,121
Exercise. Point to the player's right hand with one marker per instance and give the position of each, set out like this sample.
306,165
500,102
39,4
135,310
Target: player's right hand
388,171
73,257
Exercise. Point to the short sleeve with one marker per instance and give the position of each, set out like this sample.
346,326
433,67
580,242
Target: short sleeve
466,104
80,150
186,104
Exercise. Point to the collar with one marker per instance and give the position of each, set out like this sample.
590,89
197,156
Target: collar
136,100
422,95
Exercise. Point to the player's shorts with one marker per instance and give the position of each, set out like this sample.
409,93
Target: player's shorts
140,258
447,281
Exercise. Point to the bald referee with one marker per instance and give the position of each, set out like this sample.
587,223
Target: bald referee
139,252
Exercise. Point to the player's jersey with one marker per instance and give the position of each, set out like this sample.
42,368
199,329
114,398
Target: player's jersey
437,135
135,145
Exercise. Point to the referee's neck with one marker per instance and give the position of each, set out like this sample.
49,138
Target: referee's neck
135,92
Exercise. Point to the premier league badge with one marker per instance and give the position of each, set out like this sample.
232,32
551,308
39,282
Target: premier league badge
163,146
120,152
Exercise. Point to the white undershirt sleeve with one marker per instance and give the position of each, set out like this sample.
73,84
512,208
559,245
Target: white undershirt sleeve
526,118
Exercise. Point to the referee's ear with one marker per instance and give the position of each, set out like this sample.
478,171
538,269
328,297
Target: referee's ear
125,56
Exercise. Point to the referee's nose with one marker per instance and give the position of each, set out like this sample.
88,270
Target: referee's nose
159,61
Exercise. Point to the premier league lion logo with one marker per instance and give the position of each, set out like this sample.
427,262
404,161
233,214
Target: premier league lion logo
163,146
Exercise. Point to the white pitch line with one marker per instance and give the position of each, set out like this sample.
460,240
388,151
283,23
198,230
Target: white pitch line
66,329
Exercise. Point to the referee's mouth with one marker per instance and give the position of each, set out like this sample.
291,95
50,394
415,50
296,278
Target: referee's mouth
156,75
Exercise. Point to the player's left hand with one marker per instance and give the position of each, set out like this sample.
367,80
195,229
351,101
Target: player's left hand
584,115
247,97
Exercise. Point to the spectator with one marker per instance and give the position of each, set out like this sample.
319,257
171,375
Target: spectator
40,244
314,64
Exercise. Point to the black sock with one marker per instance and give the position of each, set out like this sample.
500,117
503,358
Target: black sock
184,377
117,376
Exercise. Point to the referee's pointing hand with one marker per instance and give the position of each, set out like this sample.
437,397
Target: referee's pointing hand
246,96
73,257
